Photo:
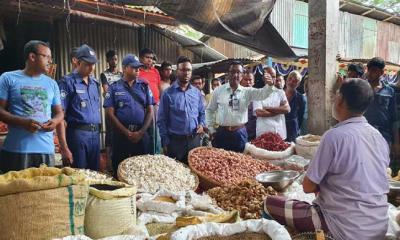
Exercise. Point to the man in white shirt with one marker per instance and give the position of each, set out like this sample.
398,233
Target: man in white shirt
271,112
228,109
248,81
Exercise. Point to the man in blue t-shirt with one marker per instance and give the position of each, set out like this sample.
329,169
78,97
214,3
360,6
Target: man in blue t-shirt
30,104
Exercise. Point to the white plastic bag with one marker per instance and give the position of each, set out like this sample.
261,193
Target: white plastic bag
307,145
119,237
149,203
125,237
295,191
393,226
75,237
265,154
187,204
294,162
156,217
201,204
273,229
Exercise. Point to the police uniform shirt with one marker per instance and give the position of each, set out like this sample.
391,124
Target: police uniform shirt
81,102
129,110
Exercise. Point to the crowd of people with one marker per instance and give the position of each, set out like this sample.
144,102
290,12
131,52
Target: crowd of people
150,111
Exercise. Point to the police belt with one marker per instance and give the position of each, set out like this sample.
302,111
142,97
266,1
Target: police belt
183,137
232,128
85,127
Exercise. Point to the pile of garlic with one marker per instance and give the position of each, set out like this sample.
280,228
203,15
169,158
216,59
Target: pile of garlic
93,176
150,173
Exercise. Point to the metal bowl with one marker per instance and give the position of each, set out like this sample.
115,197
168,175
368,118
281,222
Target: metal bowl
279,180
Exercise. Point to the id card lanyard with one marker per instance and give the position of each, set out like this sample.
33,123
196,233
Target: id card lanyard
234,101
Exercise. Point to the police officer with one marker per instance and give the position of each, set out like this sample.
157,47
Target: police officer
80,141
129,107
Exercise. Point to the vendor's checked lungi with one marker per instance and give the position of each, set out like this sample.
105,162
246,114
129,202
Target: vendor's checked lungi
299,215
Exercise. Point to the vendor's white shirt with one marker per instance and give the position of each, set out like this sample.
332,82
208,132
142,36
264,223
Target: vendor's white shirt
276,123
220,113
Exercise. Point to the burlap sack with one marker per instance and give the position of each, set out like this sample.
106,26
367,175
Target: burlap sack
34,179
42,203
110,210
43,214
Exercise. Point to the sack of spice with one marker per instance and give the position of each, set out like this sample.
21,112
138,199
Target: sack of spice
269,146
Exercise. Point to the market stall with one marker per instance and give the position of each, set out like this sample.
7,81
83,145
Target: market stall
218,196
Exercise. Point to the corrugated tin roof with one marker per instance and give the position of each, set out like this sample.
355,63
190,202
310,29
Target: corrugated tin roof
369,11
374,12
364,60
148,9
199,48
284,25
56,9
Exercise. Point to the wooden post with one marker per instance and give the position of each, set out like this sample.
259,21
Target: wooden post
323,38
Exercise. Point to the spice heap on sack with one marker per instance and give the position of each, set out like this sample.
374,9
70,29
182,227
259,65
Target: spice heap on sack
247,197
271,142
227,167
151,173
311,138
93,175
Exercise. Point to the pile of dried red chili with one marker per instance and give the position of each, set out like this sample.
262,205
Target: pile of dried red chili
271,142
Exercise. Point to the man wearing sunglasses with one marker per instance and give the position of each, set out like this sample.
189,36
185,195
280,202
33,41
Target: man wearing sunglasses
228,109
30,105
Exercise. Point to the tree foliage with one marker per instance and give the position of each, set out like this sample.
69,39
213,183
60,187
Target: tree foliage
389,5
189,32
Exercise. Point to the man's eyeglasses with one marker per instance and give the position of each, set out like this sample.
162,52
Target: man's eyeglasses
184,70
45,56
236,72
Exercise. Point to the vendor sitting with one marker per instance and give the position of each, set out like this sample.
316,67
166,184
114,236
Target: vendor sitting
347,174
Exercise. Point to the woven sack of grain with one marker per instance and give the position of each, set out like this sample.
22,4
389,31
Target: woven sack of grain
110,209
42,203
